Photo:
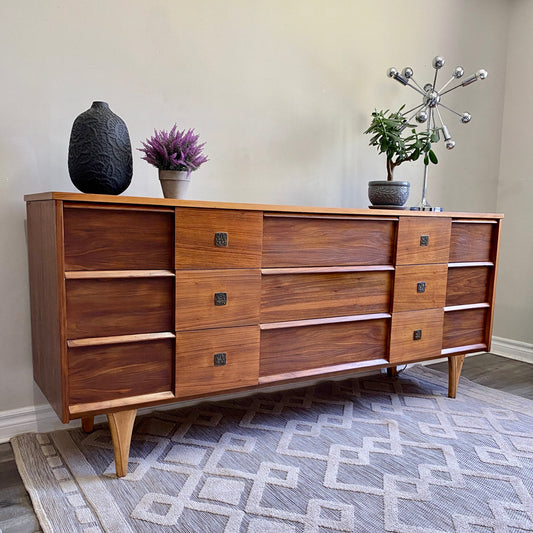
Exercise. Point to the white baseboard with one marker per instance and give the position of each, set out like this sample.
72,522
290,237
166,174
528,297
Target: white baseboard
521,351
42,418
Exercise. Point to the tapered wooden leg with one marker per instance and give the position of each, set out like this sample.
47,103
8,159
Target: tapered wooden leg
392,371
455,364
87,424
121,427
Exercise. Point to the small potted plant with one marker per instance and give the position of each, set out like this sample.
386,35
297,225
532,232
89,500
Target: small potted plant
400,142
176,154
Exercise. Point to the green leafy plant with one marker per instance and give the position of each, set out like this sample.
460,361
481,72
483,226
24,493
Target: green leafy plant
400,141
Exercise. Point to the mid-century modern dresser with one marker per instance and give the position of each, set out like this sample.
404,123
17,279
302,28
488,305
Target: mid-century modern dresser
144,301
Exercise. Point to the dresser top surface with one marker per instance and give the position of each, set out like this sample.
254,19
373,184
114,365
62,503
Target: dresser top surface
168,202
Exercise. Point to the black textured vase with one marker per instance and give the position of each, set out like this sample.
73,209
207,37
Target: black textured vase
99,155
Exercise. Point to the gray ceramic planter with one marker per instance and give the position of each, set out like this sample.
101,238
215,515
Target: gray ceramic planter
388,193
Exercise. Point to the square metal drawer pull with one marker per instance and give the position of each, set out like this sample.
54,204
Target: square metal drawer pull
221,298
220,359
221,239
417,334
421,287
424,240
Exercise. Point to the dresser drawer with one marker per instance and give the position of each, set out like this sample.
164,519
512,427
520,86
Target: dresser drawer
107,307
423,240
216,360
108,238
468,285
218,238
416,335
327,241
217,298
297,349
473,241
301,296
466,328
419,287
109,372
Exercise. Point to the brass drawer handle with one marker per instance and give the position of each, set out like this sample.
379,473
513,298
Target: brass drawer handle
424,240
221,298
221,239
219,359
421,287
417,334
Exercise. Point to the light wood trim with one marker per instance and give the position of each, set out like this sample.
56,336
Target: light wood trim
469,221
119,339
324,270
471,264
121,428
78,409
496,237
319,321
346,367
465,307
138,200
109,274
455,364
81,205
326,216
464,349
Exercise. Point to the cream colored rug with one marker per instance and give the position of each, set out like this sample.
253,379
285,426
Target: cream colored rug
362,455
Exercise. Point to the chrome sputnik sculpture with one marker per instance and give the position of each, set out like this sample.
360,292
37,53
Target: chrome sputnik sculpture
428,111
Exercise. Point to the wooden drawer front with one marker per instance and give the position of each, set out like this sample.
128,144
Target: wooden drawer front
108,372
286,297
216,238
308,241
423,240
472,241
465,327
216,360
416,335
217,298
106,307
296,349
118,239
468,285
419,287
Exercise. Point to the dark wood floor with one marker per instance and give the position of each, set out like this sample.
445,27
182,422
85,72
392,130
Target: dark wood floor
16,513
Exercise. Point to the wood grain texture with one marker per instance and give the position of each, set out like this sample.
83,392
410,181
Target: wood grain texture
455,364
106,307
305,296
308,241
472,241
463,328
468,285
100,373
104,199
47,301
195,298
121,428
409,249
118,239
404,348
406,280
302,348
195,239
196,372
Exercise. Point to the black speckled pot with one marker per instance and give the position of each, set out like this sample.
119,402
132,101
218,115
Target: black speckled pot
388,193
99,155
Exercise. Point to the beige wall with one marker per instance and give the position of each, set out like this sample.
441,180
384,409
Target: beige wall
514,309
280,90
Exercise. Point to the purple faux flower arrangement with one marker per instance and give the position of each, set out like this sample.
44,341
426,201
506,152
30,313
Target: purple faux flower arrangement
174,150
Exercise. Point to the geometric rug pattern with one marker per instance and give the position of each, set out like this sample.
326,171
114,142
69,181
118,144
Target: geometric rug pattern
367,454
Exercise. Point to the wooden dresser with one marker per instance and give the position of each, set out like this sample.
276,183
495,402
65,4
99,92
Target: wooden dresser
144,301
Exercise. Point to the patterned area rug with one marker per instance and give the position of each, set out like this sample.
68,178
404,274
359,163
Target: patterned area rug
362,455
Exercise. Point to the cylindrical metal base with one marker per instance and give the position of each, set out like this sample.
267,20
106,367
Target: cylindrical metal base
426,208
